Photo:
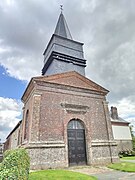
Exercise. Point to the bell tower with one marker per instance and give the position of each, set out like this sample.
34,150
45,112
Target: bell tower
62,53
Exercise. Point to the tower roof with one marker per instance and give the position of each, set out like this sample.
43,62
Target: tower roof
62,28
62,53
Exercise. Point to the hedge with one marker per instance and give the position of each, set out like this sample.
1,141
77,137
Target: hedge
15,165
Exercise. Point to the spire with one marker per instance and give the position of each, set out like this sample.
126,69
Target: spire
62,53
62,28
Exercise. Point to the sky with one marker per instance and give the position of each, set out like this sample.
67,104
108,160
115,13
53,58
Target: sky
107,29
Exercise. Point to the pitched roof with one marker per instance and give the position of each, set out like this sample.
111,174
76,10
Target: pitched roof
119,120
115,117
62,28
18,124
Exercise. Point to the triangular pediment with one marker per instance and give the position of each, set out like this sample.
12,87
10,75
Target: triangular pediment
73,79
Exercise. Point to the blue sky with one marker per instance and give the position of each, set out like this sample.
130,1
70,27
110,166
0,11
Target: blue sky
10,87
107,29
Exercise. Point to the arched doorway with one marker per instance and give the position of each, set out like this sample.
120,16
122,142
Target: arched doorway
76,143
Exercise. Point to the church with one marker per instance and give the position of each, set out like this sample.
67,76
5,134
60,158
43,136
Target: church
66,119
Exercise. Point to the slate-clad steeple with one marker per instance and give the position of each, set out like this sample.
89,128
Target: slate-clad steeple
62,28
62,53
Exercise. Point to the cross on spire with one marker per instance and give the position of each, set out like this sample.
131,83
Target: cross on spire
61,8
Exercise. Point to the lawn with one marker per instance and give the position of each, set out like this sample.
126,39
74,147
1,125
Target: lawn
123,166
58,175
128,158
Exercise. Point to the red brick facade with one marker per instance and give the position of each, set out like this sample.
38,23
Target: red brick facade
52,102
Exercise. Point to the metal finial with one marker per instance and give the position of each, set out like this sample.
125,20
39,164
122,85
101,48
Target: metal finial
61,8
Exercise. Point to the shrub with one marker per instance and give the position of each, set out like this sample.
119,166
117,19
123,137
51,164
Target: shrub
126,153
15,165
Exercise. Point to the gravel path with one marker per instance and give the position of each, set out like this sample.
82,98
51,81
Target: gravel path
104,173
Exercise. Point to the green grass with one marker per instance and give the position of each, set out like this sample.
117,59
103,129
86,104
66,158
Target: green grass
123,166
129,158
58,175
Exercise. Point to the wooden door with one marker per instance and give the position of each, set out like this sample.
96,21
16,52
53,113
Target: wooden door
76,147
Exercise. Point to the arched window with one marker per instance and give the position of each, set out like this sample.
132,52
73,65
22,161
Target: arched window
26,124
75,124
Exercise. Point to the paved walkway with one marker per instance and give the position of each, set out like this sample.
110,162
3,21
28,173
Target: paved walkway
133,161
104,173
115,175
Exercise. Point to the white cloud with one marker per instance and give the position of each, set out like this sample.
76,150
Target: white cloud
125,107
23,69
10,114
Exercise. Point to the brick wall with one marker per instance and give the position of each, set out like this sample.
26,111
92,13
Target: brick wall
52,106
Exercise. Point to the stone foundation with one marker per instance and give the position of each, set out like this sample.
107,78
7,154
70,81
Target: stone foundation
51,155
104,153
47,156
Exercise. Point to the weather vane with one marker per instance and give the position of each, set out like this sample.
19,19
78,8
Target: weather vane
61,8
